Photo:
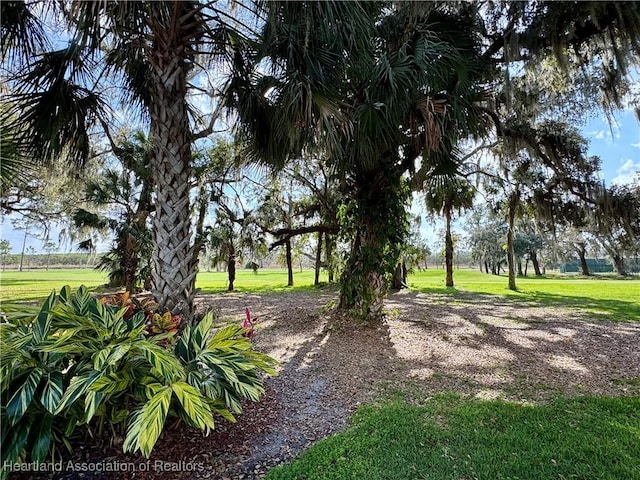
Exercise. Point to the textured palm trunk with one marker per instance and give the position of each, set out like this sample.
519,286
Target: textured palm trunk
363,287
174,267
448,247
378,233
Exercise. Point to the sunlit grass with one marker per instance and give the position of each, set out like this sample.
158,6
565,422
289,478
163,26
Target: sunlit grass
450,438
36,285
608,296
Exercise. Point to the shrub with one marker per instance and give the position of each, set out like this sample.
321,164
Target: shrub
78,363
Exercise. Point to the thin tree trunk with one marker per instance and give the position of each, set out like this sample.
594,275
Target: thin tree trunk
519,264
231,266
511,260
328,257
399,280
174,266
24,245
526,266
316,279
448,248
289,264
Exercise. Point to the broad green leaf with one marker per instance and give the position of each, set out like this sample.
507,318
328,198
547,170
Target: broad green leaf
78,387
42,324
52,391
161,360
16,439
200,332
100,358
92,401
112,383
193,404
21,399
214,362
40,439
118,352
148,422
229,336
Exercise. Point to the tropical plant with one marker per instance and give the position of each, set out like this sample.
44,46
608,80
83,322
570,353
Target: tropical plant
152,50
445,196
76,364
369,91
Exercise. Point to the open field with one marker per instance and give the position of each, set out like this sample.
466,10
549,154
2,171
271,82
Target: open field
607,296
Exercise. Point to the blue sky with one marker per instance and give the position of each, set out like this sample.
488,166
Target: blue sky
618,146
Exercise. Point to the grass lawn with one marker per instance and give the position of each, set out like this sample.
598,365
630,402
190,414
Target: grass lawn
36,285
605,296
451,438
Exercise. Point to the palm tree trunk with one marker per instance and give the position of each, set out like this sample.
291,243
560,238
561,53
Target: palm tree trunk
448,247
174,265
378,231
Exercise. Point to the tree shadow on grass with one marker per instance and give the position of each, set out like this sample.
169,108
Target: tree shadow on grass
606,309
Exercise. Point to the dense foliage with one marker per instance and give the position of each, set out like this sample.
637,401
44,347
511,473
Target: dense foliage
77,364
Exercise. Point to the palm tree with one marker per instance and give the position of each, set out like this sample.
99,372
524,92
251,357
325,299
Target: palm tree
445,196
367,86
150,50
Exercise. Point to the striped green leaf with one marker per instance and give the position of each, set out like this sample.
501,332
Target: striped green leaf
52,392
162,360
40,439
112,383
193,404
100,357
148,422
22,397
78,387
42,324
92,401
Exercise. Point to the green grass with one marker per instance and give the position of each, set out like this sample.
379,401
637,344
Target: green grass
606,296
36,285
264,281
451,438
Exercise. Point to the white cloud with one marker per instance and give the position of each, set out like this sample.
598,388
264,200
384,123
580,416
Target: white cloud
627,171
637,145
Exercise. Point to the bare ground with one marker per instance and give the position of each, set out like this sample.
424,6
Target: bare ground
478,346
